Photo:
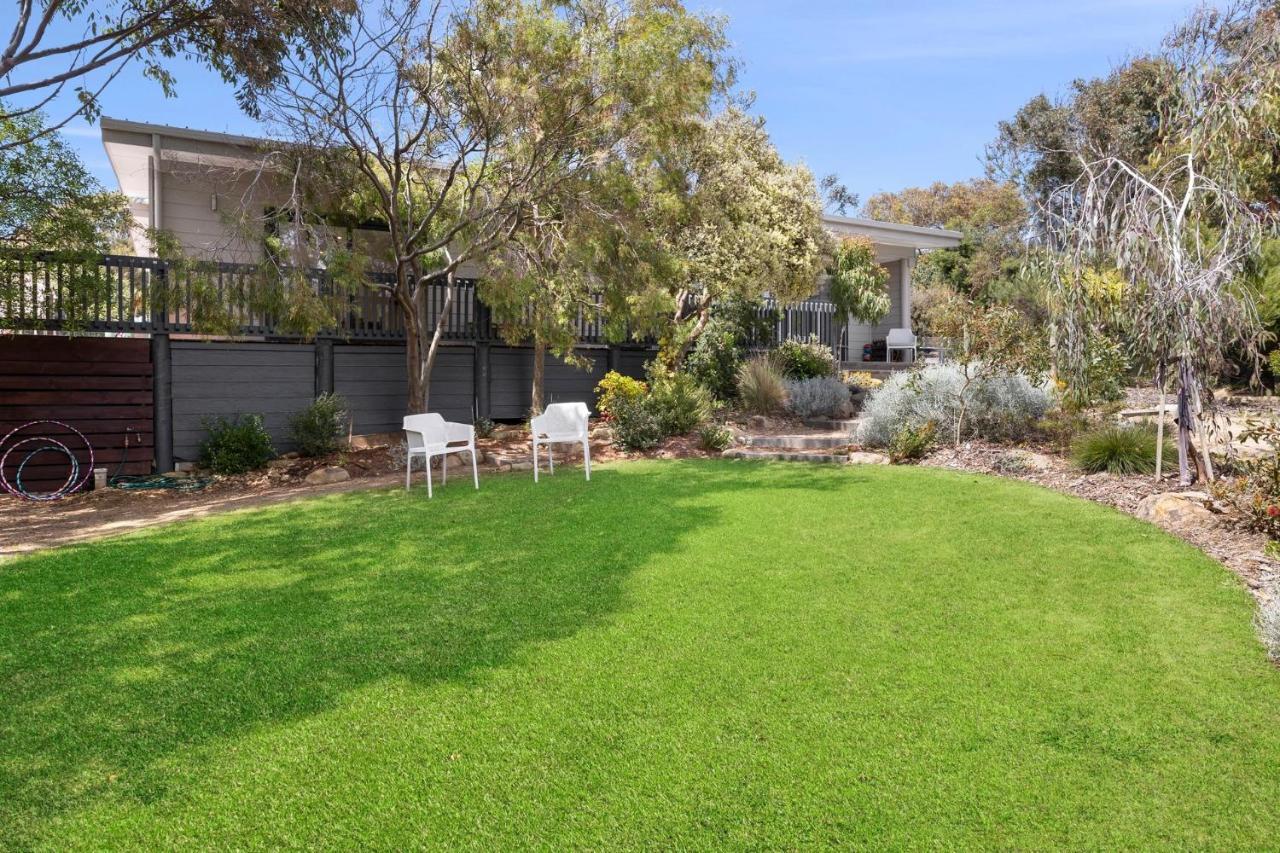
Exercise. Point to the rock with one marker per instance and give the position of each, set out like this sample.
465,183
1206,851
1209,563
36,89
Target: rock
1176,509
279,463
178,474
326,475
758,422
521,466
866,457
292,454
189,467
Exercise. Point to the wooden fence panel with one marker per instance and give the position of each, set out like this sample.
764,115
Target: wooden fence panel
99,386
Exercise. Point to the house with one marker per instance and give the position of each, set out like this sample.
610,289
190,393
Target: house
184,181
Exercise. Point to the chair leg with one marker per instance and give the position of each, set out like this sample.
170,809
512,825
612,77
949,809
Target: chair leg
475,471
586,457
551,460
408,469
444,469
427,460
535,460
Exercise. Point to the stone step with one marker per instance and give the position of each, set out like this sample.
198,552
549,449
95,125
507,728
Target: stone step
787,454
832,425
800,442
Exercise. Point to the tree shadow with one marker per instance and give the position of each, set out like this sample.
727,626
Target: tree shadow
116,655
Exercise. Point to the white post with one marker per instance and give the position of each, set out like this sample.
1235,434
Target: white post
908,265
157,183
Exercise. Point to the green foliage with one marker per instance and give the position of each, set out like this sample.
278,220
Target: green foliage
317,429
235,445
717,355
911,442
484,428
1119,450
991,216
679,403
858,281
615,389
761,388
804,359
714,438
635,424
736,221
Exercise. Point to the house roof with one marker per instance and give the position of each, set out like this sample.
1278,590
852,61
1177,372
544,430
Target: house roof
129,144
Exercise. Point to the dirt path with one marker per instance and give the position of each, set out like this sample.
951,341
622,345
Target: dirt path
27,527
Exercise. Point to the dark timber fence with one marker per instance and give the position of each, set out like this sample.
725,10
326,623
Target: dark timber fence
259,365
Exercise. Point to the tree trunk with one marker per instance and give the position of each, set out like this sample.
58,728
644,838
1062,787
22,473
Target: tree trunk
1160,423
428,350
539,372
1184,429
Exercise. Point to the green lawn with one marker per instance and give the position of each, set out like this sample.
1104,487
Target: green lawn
692,655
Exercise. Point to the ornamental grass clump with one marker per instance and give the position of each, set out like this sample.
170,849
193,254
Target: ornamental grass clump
761,389
1118,450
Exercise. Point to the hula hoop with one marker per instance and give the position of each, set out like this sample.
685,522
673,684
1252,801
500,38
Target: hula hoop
74,482
56,445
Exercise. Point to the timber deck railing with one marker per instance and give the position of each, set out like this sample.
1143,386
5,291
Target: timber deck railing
142,295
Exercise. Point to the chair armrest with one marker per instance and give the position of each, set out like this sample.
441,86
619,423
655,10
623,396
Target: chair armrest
459,432
537,424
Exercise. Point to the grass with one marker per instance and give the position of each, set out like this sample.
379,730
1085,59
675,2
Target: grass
692,655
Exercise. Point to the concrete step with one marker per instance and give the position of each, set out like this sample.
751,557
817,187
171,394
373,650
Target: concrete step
800,442
787,454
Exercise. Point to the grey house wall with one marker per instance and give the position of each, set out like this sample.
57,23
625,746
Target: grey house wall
277,380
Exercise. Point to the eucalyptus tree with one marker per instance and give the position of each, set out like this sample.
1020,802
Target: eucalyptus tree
450,129
1179,229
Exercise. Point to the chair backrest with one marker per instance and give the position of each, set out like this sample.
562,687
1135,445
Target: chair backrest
425,429
563,419
900,338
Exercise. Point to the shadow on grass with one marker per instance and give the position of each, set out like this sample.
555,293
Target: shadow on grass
116,655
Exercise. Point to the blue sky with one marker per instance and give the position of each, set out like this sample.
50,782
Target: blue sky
885,94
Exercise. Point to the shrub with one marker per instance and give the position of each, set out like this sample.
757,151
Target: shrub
714,438
760,387
615,389
679,403
236,445
820,397
861,379
317,429
484,428
999,406
1253,490
635,424
1118,450
912,443
804,359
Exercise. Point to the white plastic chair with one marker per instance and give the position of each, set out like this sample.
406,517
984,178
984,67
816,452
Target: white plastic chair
900,339
561,423
429,435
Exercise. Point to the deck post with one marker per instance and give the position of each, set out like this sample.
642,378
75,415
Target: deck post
480,376
162,401
324,366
